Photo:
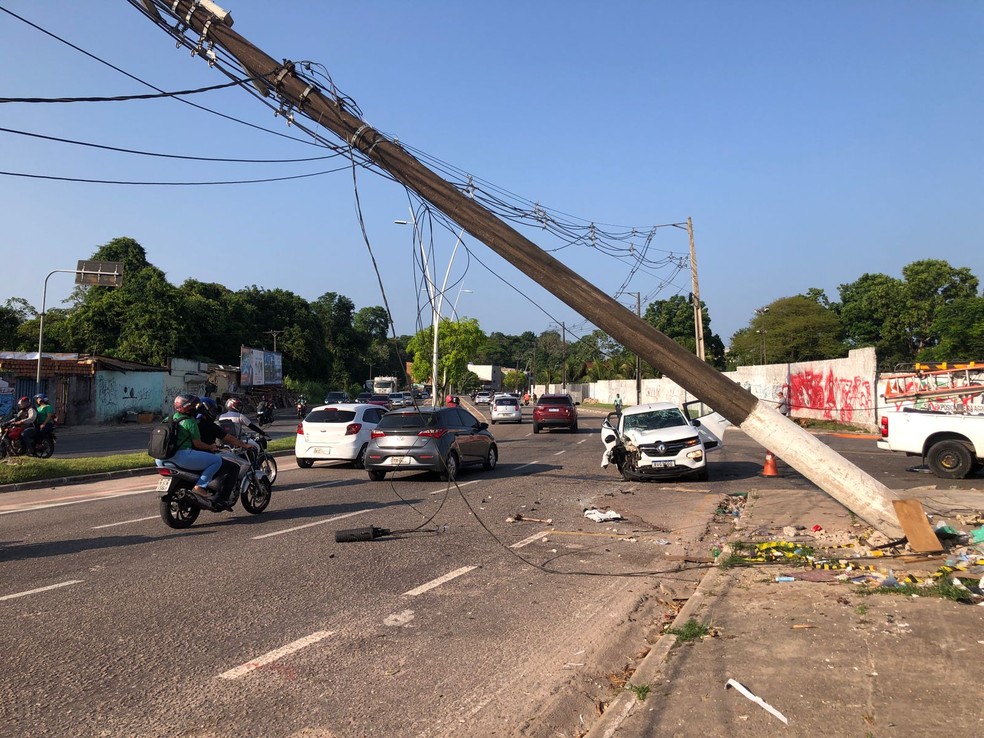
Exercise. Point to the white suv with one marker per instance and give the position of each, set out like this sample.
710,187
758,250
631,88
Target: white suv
659,441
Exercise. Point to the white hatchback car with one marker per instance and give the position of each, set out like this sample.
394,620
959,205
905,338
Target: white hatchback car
336,433
506,408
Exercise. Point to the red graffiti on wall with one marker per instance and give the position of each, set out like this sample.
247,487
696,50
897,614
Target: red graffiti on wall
833,397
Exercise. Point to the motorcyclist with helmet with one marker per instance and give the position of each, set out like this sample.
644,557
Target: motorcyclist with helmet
211,433
235,422
27,419
46,414
193,453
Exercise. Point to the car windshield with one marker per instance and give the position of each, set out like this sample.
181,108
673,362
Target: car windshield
331,415
654,420
506,401
407,421
554,401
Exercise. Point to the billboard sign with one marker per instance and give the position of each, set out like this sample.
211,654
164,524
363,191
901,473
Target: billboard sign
258,368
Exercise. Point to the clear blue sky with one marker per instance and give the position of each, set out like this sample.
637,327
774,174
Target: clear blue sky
810,142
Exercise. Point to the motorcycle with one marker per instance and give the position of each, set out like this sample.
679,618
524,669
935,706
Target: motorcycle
264,416
12,445
301,410
263,459
180,506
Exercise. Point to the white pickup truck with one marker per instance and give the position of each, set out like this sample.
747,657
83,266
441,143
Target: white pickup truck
951,444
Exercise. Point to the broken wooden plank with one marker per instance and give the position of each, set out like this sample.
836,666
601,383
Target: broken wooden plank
913,520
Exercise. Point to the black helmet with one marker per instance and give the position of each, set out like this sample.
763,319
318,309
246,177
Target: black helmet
185,404
208,407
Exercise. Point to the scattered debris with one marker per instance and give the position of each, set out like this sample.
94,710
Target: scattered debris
756,699
520,518
601,517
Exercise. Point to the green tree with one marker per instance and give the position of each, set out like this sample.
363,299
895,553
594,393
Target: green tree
458,342
141,321
959,326
898,317
791,329
675,319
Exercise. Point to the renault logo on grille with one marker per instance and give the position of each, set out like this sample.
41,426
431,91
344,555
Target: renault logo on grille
661,448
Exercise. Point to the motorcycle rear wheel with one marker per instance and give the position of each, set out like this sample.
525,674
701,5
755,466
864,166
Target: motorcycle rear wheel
177,513
256,497
44,448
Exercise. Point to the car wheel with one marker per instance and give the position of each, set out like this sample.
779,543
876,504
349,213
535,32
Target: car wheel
376,476
536,428
491,459
574,427
360,458
950,459
305,463
703,475
493,422
450,472
627,475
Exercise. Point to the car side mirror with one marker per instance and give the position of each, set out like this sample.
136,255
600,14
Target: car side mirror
695,423
483,426
577,403
610,438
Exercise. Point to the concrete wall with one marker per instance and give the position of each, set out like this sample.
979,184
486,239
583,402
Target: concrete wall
842,390
118,392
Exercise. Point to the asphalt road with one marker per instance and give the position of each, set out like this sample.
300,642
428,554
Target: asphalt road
263,625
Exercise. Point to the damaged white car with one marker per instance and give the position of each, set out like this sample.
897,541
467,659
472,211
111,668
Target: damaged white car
660,441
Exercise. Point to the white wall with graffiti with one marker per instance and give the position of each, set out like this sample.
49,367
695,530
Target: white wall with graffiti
841,390
120,392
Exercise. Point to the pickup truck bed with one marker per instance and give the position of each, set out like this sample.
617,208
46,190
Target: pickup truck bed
951,444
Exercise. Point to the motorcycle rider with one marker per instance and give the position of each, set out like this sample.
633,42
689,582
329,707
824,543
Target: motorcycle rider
46,414
211,433
235,422
264,411
193,453
27,419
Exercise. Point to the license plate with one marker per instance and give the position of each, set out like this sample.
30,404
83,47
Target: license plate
322,451
663,464
396,460
164,484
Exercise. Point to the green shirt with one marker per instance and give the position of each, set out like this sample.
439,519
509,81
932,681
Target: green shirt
44,414
190,426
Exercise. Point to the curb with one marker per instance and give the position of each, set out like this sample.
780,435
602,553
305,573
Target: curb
623,704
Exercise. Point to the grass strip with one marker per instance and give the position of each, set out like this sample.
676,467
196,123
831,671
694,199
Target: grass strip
20,469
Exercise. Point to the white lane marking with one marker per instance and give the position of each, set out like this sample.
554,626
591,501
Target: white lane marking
124,522
310,525
528,541
439,581
40,589
45,506
456,484
275,655
532,463
563,451
583,440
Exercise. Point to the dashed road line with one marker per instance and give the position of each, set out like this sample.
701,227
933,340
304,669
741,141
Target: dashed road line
528,541
456,484
125,522
439,581
311,525
275,655
45,506
40,589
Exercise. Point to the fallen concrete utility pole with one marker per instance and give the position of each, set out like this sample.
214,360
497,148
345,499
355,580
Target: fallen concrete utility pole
868,498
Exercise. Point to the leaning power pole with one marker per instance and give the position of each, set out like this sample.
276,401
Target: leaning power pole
698,313
861,493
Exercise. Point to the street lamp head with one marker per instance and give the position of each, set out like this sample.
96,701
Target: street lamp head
402,222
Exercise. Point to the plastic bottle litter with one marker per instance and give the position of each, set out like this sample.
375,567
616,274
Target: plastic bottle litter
785,579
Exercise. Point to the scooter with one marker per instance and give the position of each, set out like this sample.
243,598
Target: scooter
180,506
12,445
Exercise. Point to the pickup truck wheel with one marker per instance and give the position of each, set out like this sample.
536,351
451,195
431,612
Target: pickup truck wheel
950,460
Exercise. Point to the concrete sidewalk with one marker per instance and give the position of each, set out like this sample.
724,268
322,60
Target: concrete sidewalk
831,659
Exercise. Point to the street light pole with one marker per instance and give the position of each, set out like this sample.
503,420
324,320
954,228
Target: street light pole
44,297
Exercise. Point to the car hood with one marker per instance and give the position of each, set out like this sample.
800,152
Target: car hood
675,433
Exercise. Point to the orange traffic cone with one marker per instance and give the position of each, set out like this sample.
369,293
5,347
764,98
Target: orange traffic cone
769,470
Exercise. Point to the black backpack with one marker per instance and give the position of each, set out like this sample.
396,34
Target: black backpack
163,442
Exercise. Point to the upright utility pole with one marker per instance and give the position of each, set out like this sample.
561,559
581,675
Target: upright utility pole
638,360
867,497
698,313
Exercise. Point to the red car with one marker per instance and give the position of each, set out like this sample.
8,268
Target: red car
552,411
381,400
